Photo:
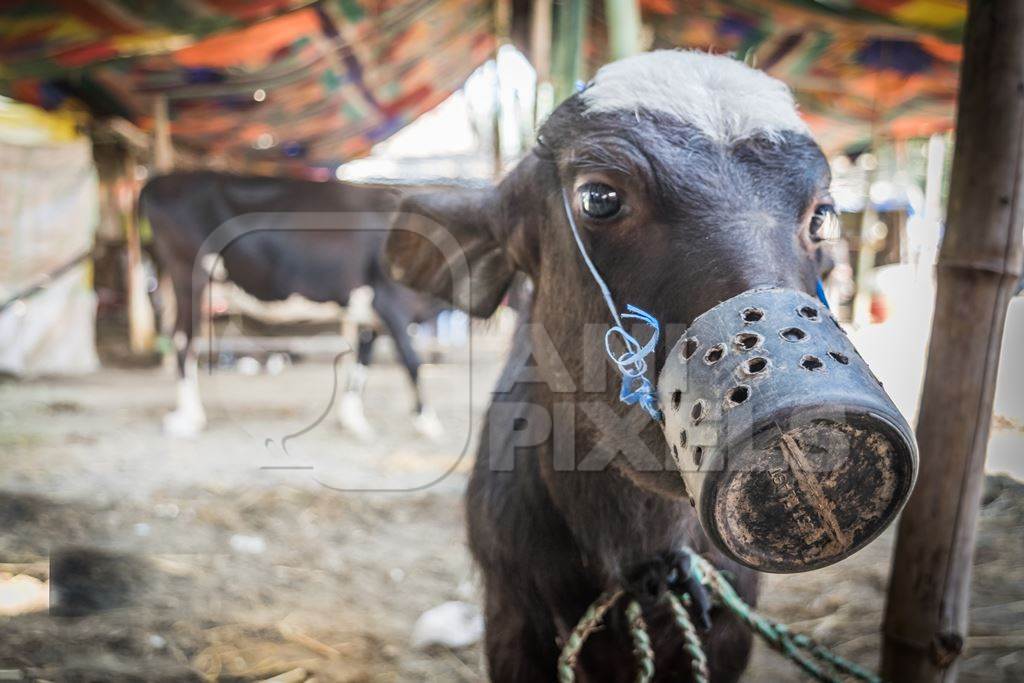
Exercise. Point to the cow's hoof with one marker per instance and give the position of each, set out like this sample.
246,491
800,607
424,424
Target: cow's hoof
428,424
360,306
184,424
352,418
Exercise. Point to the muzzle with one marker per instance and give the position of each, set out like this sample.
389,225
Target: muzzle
793,454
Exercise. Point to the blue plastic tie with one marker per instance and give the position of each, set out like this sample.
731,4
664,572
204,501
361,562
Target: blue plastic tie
632,363
820,288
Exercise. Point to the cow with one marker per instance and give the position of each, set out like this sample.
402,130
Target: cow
691,179
278,247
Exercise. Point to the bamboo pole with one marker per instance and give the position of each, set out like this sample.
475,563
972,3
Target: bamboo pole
866,252
570,30
163,146
979,263
540,56
141,319
502,28
932,203
623,19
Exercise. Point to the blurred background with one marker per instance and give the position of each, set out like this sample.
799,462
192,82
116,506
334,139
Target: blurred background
276,544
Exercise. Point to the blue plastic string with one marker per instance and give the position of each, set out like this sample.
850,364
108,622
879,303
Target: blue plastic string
820,289
632,363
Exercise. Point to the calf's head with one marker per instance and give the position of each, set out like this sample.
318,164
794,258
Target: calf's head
701,198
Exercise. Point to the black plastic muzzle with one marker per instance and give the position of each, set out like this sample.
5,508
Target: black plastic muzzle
794,455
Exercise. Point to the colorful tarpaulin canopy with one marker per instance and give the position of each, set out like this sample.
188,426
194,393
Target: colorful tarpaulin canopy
48,38
313,84
860,68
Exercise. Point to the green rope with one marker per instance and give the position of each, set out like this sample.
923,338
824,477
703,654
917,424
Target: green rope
588,623
777,635
817,661
641,642
693,645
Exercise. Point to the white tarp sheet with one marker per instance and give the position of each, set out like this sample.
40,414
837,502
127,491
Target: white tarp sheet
49,208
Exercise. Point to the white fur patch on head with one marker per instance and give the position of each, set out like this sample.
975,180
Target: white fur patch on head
724,98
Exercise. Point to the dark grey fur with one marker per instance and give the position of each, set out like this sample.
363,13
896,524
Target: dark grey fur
274,255
705,222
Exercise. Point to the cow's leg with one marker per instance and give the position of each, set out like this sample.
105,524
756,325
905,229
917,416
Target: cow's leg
350,405
730,643
390,309
357,329
167,310
520,641
728,648
188,418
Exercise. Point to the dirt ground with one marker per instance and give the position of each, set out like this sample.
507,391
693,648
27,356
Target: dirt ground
249,553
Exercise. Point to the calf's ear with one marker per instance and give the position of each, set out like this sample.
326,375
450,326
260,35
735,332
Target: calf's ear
448,243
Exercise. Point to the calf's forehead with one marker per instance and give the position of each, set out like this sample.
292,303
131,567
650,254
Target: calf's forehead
724,99
674,164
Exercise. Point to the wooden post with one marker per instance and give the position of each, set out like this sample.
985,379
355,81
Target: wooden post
502,26
933,177
623,20
163,146
571,28
932,203
979,263
864,268
141,319
540,56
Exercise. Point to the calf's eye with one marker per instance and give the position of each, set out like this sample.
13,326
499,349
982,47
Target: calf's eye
824,223
599,200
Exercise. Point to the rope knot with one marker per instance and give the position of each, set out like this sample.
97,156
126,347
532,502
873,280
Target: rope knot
689,596
632,362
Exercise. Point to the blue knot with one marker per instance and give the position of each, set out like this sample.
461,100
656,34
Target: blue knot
632,363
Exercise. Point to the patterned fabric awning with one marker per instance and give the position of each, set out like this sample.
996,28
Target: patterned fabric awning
285,81
45,39
860,68
318,83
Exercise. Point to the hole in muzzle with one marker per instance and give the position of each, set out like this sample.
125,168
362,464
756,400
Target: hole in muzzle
689,348
808,312
840,358
747,340
698,455
812,363
752,315
755,366
697,412
793,334
677,396
714,354
737,395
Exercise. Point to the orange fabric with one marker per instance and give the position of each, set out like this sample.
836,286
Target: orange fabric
251,47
